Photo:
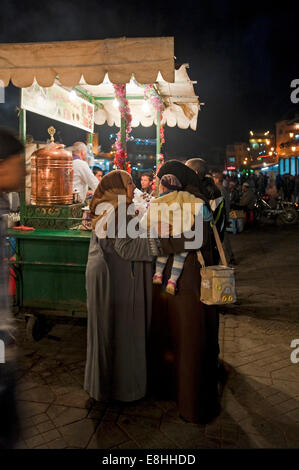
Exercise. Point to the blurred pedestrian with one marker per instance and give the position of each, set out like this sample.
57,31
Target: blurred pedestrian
218,180
247,198
271,191
260,185
246,203
12,172
279,184
292,188
234,195
288,186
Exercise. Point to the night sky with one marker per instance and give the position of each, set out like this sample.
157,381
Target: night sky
243,55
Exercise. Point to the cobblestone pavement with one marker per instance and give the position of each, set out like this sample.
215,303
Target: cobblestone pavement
260,403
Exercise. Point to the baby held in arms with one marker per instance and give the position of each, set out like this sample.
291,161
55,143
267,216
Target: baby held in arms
171,214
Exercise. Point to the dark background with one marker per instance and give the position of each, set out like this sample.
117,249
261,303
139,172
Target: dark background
243,55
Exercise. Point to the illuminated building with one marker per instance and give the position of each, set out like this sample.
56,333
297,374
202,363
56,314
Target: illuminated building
236,156
287,145
262,149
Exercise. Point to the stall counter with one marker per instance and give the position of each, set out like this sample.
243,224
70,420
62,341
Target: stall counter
50,271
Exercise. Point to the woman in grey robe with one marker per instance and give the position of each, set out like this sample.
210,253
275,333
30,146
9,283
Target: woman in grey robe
119,295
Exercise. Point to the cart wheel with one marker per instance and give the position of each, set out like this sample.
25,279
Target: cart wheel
36,328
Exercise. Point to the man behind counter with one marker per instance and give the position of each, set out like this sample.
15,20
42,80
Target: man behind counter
83,176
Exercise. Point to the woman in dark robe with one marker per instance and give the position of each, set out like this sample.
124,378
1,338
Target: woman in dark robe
184,333
119,298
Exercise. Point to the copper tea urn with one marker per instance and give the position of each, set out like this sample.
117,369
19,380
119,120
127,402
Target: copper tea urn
51,176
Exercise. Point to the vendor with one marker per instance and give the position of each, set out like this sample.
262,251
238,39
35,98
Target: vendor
146,182
98,173
83,176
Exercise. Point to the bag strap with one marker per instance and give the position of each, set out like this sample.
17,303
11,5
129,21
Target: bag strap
200,258
219,245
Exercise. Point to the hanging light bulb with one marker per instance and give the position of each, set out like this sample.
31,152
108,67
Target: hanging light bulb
115,103
145,107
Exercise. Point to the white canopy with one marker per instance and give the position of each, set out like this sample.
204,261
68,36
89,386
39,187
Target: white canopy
95,65
70,60
181,103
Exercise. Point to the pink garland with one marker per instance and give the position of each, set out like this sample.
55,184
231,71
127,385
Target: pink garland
158,104
121,154
156,101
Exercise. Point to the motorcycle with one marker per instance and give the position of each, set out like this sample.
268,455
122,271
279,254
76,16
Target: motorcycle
282,213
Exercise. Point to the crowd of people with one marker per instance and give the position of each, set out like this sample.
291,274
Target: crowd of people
285,186
242,192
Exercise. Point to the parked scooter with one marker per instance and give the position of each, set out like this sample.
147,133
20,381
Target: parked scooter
283,213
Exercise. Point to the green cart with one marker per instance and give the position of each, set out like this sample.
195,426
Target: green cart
50,271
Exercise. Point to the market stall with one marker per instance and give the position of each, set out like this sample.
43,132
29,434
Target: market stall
50,261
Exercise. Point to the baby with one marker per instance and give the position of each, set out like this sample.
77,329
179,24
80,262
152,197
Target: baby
168,184
170,192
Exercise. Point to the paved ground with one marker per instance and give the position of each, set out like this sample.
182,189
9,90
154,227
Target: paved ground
260,404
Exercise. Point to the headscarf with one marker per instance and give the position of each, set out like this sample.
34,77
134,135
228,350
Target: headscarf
185,175
204,188
171,182
110,187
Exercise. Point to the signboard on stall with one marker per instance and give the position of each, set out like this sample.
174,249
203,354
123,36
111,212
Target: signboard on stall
57,103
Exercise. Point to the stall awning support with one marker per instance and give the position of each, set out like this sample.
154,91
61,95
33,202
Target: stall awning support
158,144
22,135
